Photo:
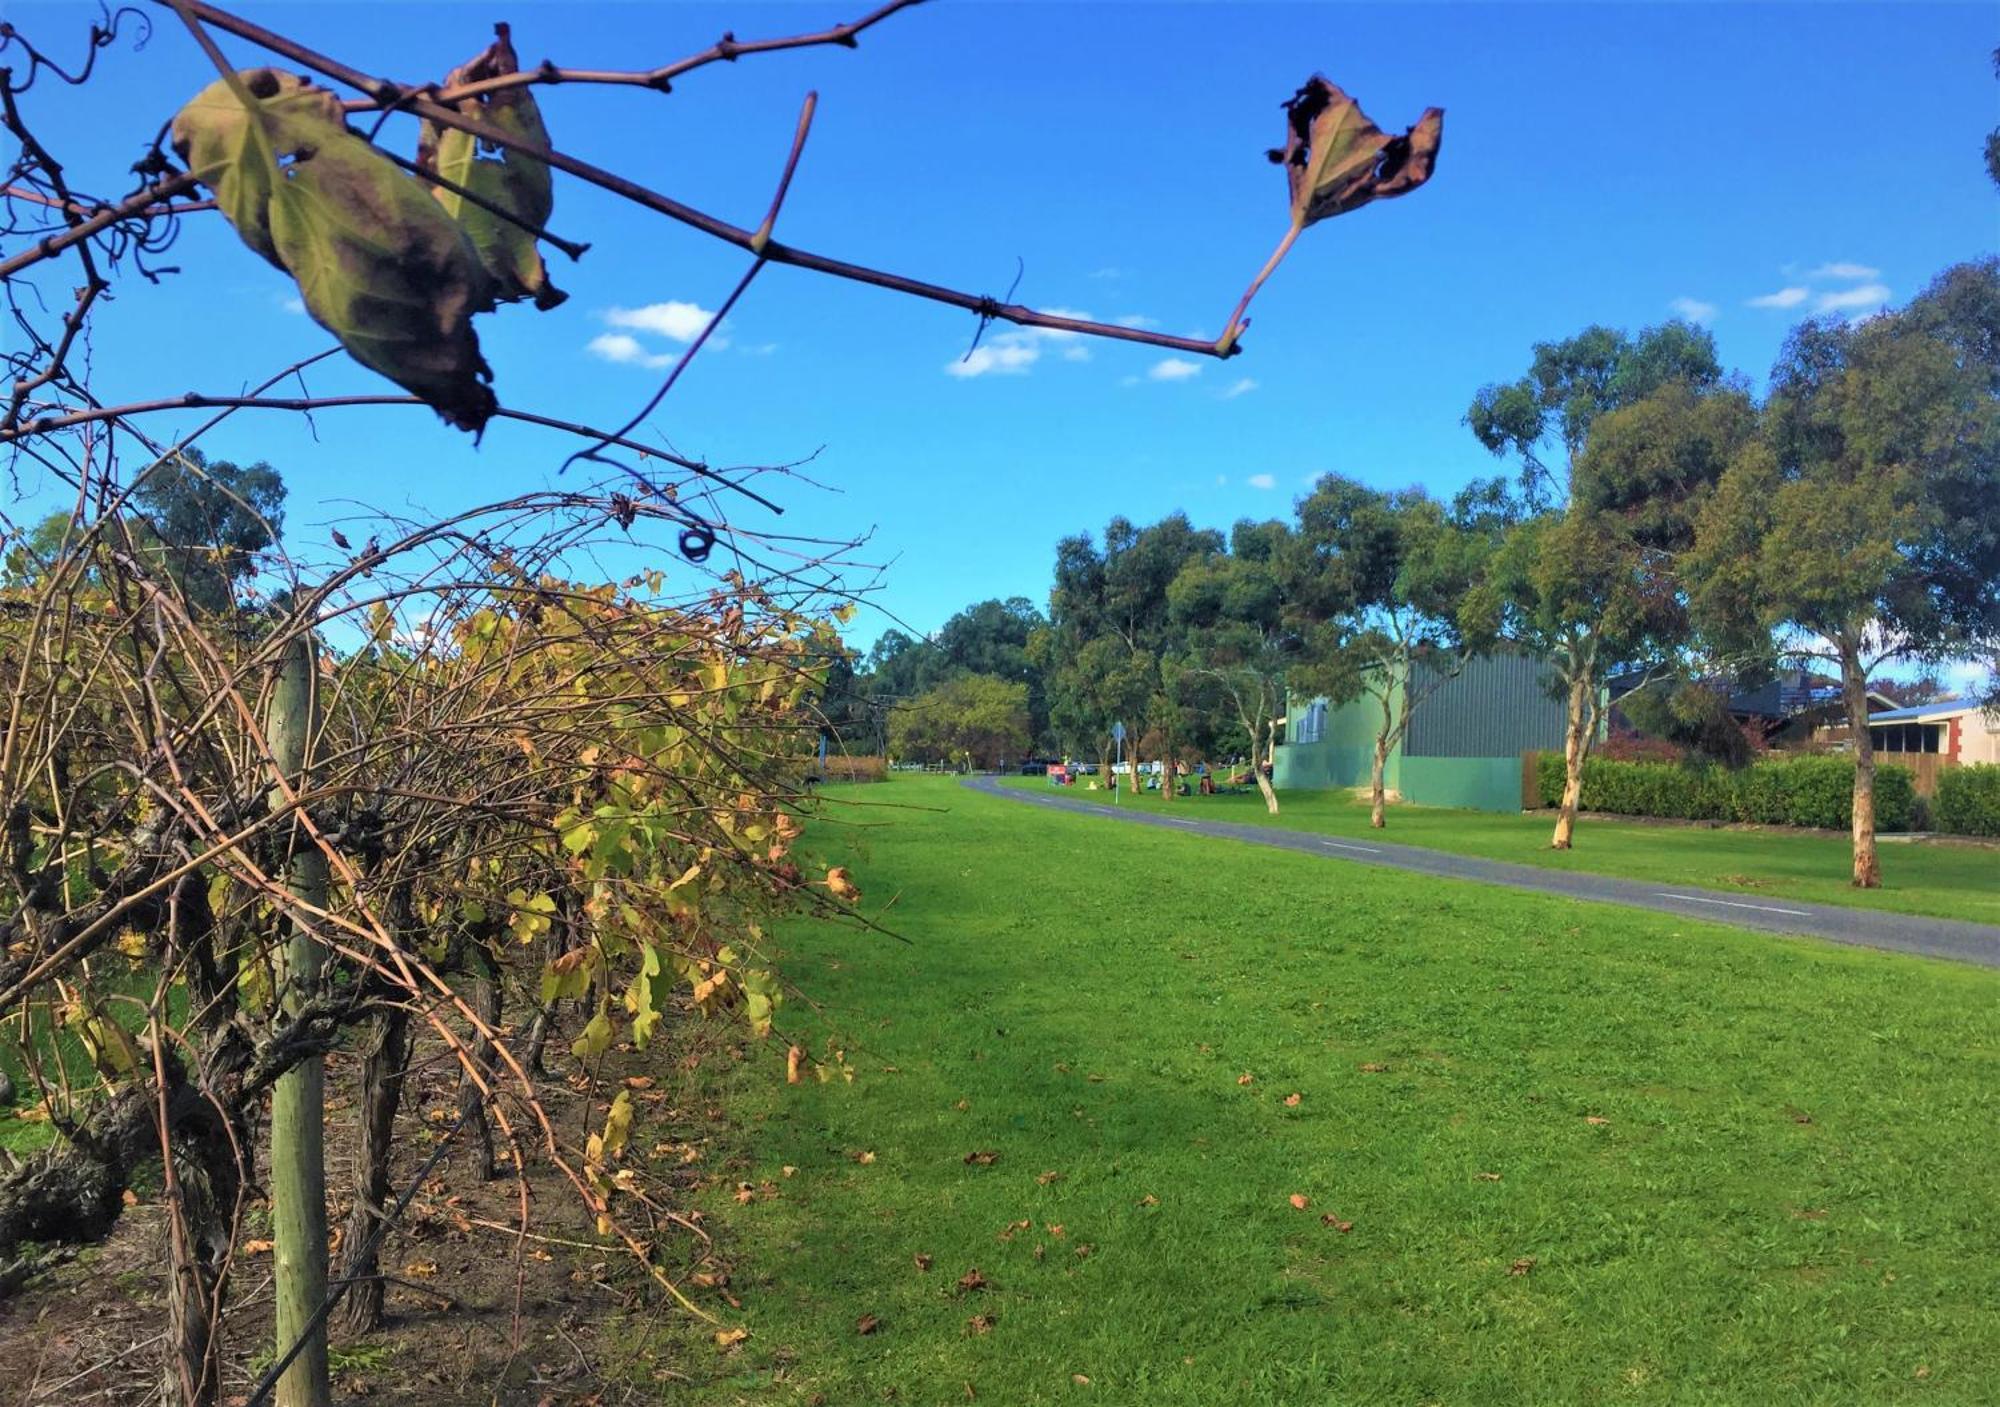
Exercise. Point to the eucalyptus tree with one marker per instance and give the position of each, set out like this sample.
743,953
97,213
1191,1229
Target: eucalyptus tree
1864,525
1233,643
1407,579
1619,441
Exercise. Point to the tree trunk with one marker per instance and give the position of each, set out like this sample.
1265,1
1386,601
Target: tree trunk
1576,748
1377,796
1132,756
1854,689
1170,784
382,1070
1264,785
471,1103
298,1099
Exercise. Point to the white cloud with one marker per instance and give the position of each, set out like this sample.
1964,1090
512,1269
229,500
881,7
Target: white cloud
1012,352
1262,481
1783,298
293,305
1694,310
1844,270
1242,387
1108,271
1174,369
1852,300
1139,320
625,349
674,320
1009,354
1128,381
1221,479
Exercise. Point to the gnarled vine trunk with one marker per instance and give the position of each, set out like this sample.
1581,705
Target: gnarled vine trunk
382,1070
485,1000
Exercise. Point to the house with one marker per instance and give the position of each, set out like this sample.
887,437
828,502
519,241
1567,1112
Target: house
1793,708
1958,731
1463,748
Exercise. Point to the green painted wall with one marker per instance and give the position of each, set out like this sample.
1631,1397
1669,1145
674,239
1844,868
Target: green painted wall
1344,755
1472,783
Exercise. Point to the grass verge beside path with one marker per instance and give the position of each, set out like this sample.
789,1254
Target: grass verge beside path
1944,879
1549,1151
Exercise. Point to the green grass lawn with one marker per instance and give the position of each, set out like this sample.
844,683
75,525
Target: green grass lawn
1946,879
1551,1152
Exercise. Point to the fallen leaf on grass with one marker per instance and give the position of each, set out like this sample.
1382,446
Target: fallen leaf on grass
1056,1229
729,1338
1245,1078
788,1170
923,1261
794,1058
1046,1178
1522,1266
982,1157
962,1105
1487,1176
638,1082
259,1248
1079,1379
1373,1067
1292,1100
1015,1228
745,1193
421,1269
971,1280
1809,1214
1300,1200
1596,1120
867,1324
1149,1200
867,1157
981,1323
1329,1219
1083,1251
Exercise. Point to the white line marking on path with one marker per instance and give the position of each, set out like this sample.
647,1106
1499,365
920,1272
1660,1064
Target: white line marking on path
1731,904
1364,849
1172,822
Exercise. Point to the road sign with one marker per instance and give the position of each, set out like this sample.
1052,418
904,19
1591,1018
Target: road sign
1117,732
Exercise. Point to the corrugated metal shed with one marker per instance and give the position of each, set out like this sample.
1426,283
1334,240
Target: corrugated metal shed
1499,706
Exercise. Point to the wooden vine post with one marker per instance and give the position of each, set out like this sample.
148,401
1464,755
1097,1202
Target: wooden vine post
298,1100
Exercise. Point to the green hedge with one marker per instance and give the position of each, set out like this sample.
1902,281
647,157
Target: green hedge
1968,800
1794,791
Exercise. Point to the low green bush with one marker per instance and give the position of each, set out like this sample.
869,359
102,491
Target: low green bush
1968,800
1812,791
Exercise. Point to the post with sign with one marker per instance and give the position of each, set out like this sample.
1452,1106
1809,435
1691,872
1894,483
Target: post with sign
1118,738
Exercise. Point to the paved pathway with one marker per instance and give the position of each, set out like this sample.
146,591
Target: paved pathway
1872,928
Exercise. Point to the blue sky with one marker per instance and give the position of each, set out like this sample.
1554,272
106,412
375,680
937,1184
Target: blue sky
1610,163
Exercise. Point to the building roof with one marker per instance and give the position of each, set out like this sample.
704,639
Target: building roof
1917,713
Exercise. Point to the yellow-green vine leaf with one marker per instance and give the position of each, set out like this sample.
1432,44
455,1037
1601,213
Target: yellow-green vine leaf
379,263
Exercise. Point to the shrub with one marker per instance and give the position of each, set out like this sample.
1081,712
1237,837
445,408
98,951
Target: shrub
1968,800
1792,791
843,768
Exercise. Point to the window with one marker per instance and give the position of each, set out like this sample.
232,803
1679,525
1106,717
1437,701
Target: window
1907,737
1312,723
